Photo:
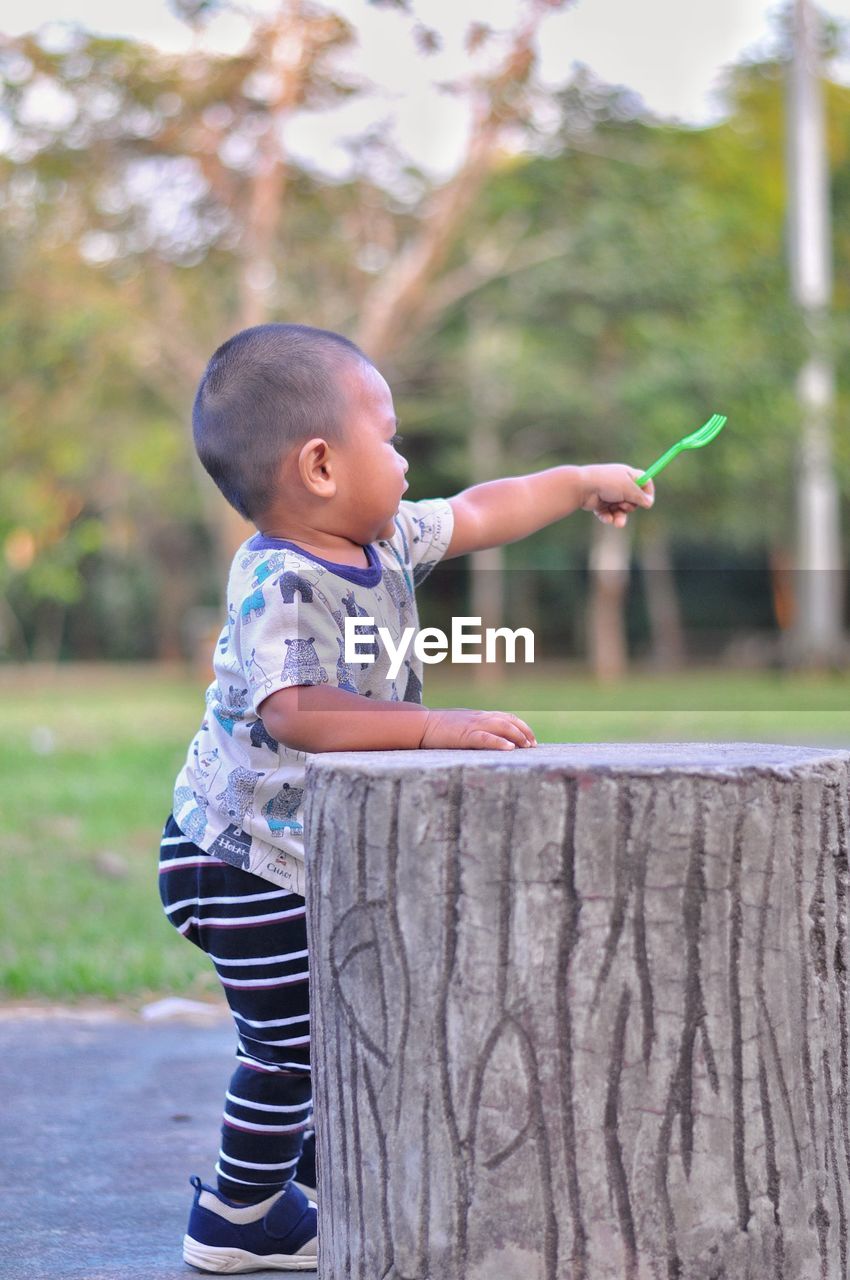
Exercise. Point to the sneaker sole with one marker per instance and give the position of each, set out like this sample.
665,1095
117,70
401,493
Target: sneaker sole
233,1261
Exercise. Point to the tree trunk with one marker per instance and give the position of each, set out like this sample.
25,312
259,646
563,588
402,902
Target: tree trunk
171,552
580,1013
490,396
782,588
13,640
606,623
818,634
49,630
662,603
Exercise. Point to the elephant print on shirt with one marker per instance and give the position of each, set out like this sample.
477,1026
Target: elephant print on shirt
260,736
265,570
291,582
194,823
254,605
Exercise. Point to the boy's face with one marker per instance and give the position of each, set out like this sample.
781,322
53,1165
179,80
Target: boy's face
370,479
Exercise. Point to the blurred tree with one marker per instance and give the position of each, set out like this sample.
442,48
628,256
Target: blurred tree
165,162
87,444
668,301
632,275
153,185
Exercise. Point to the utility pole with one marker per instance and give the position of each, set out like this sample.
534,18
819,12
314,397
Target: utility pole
818,628
489,398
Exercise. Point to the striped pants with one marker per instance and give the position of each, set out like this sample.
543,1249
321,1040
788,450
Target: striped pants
256,937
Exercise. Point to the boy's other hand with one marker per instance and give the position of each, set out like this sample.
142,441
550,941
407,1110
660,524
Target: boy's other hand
610,492
482,730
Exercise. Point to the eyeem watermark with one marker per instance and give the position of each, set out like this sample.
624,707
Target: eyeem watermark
433,645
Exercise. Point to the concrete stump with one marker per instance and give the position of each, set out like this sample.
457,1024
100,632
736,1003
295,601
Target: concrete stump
580,1012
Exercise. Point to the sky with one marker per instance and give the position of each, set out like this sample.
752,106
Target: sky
671,53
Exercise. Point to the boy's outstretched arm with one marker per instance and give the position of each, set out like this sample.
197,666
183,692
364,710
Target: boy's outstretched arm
500,511
322,718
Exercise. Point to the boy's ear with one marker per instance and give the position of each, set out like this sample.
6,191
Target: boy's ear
315,469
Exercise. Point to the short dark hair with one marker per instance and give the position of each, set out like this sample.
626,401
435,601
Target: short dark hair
264,390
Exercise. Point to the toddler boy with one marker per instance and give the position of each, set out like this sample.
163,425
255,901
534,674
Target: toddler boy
297,428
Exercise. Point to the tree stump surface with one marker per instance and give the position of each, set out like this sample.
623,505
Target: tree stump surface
580,1012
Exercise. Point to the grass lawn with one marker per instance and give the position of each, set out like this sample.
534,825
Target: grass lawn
88,757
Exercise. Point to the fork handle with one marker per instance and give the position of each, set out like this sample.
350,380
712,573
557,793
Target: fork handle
659,464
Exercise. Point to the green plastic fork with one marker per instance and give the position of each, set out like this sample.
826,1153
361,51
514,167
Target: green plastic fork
703,436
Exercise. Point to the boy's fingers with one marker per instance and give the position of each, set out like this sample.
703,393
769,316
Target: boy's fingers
507,729
509,726
645,492
484,741
526,731
509,715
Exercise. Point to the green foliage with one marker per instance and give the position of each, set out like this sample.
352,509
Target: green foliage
669,301
124,203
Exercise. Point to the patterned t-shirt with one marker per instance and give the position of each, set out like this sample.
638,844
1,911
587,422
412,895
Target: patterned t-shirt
240,793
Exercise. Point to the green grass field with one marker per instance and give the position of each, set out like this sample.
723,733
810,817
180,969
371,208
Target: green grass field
88,757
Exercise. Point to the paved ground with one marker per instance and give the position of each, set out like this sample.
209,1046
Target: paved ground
104,1119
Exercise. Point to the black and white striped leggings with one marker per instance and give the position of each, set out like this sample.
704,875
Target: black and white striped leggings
256,937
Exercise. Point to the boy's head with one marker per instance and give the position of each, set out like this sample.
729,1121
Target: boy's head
264,391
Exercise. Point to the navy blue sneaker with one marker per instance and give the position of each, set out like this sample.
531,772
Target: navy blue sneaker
279,1234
